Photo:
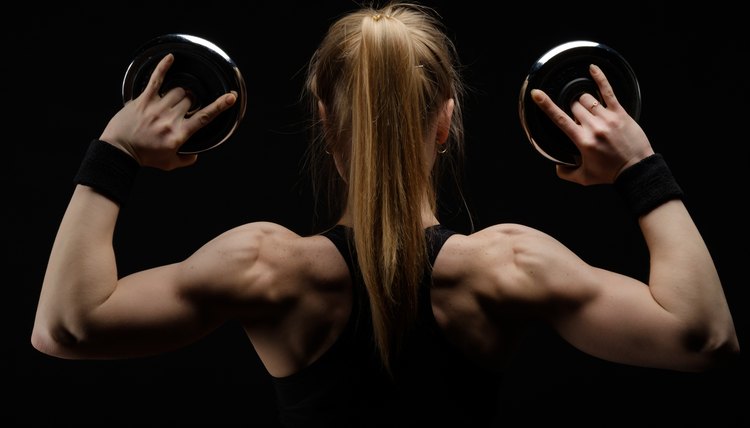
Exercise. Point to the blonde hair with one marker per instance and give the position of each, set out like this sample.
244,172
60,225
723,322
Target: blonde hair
383,76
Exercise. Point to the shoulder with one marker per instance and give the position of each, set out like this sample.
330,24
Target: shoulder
497,244
509,261
263,262
505,271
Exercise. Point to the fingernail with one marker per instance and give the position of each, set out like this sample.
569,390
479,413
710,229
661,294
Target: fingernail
536,95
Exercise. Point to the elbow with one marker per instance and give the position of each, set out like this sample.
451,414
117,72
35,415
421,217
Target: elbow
55,341
41,341
727,355
718,351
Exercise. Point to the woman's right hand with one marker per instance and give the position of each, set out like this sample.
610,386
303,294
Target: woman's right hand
152,127
608,138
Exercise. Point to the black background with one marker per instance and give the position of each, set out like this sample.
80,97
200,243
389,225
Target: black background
63,72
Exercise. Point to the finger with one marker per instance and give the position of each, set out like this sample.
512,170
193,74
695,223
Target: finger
566,124
608,94
186,160
184,105
205,115
175,96
569,173
157,76
588,103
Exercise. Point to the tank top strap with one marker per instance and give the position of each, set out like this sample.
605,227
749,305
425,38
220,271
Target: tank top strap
436,237
340,236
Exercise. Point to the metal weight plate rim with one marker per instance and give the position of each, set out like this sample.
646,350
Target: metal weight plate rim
545,59
209,49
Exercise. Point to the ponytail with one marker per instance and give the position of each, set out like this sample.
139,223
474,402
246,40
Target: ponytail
383,75
386,178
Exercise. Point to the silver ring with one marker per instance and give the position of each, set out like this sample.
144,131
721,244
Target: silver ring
596,103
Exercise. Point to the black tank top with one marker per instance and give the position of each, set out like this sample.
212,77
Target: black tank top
433,382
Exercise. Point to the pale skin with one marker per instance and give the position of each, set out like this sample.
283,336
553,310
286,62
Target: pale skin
292,293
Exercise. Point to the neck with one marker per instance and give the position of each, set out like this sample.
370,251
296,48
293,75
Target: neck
428,216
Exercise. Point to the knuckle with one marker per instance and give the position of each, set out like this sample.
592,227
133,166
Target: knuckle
204,118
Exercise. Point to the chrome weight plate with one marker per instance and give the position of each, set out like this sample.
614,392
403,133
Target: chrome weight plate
204,70
563,73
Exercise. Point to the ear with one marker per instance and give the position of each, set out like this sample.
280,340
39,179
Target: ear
336,156
444,122
324,122
322,112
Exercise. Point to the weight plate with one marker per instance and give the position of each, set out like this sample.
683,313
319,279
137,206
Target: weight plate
200,67
563,74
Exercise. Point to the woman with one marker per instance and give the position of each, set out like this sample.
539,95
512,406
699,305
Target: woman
387,317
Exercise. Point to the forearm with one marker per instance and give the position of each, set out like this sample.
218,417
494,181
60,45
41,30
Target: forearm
683,278
82,271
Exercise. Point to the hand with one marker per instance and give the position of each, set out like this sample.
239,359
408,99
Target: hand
609,139
152,127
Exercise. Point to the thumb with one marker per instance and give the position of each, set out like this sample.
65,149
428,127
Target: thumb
186,160
567,172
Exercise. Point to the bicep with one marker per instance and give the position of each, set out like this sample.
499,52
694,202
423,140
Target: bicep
167,307
603,313
618,321
147,313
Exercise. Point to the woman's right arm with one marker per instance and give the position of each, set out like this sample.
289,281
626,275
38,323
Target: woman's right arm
679,320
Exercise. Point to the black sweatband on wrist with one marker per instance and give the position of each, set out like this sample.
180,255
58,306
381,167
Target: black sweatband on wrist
108,170
647,184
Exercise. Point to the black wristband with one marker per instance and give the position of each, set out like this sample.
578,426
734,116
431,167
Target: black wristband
647,184
108,170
